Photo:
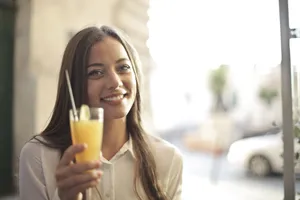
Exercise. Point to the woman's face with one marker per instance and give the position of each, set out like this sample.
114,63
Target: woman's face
111,79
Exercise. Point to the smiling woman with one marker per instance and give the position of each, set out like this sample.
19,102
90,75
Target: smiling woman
104,70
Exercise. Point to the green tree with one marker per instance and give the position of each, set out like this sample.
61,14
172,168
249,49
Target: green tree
268,95
217,84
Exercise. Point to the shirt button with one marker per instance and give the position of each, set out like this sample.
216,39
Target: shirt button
107,195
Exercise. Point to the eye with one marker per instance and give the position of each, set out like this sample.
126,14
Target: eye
124,68
95,74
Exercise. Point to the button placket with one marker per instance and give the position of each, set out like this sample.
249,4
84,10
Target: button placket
109,191
106,189
112,181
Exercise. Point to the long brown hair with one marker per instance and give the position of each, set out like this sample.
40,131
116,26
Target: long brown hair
57,132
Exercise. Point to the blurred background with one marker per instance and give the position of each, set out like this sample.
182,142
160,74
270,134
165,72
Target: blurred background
212,82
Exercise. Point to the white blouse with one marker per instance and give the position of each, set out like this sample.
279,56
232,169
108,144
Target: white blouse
38,165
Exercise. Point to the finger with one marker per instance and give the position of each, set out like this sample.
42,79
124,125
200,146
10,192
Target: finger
80,196
70,153
76,168
79,179
81,188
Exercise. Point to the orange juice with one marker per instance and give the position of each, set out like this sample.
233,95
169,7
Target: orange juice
90,133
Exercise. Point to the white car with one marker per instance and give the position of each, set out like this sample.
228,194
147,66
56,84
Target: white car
261,155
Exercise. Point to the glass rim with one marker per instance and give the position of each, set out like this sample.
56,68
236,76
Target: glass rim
96,113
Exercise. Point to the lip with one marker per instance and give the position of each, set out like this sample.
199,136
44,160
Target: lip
113,95
119,98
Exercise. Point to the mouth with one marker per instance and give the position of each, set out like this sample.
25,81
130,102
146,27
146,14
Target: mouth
114,98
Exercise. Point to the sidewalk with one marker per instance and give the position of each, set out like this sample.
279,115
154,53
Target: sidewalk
195,188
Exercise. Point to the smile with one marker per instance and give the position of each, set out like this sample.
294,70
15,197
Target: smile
114,98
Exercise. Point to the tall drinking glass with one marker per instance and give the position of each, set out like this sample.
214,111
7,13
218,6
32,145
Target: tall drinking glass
89,130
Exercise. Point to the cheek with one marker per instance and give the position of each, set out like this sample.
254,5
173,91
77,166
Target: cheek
94,91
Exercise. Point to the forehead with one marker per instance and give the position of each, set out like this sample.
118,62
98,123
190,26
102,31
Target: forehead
106,51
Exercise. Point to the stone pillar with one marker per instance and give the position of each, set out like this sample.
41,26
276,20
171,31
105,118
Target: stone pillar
24,80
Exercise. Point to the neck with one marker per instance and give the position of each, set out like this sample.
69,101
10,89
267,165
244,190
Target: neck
114,137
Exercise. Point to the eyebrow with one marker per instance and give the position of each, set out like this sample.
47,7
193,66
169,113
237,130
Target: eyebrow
102,65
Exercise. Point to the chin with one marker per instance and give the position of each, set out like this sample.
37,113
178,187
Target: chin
116,112
115,115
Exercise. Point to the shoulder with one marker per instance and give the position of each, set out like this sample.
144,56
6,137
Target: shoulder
37,166
32,149
35,146
160,145
165,153
34,152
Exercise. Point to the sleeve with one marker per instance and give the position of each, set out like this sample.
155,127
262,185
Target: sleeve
174,189
31,177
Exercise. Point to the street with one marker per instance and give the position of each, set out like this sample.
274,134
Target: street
227,182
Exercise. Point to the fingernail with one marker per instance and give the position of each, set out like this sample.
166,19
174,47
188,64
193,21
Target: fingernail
97,163
95,174
99,173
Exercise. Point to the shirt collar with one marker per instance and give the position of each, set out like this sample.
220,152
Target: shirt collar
127,147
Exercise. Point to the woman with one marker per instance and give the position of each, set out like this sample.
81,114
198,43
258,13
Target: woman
104,71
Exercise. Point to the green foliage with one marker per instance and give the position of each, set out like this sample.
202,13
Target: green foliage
217,84
268,95
296,127
296,131
218,80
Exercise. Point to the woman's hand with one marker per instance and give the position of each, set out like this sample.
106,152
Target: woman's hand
72,179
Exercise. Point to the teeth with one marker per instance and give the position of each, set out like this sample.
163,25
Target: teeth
115,98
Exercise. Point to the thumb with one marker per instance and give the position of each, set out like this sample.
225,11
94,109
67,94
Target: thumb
79,196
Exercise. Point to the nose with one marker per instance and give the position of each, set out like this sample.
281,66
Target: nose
113,81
